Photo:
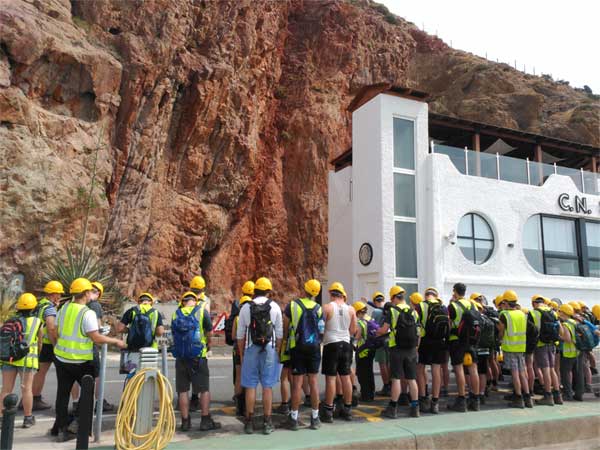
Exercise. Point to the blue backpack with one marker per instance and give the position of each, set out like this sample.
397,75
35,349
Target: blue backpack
187,342
307,332
140,330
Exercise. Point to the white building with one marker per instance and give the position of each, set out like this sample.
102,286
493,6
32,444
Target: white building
409,205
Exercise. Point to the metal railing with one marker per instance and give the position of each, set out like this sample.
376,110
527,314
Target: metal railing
506,168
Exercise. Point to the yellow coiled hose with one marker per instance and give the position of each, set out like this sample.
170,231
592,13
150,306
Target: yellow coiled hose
162,433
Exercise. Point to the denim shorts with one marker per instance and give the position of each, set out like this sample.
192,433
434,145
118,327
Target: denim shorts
260,365
8,367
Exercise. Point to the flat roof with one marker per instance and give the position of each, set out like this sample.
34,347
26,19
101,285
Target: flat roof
370,91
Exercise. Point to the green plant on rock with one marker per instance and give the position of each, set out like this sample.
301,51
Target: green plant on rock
8,300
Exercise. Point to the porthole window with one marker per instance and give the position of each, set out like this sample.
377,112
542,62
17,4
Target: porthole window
475,238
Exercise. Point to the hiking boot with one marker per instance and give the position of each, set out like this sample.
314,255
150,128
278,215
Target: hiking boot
528,401
473,404
482,399
459,405
248,425
425,403
338,405
194,404
291,424
73,426
326,415
355,397
385,391
435,408
283,409
403,400
39,404
267,426
186,424
510,397
28,421
315,423
557,397
588,389
517,402
66,436
207,424
546,401
346,414
578,398
391,412
414,411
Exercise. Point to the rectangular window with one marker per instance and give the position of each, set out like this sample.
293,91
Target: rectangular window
592,233
408,287
406,249
561,252
404,195
404,144
532,243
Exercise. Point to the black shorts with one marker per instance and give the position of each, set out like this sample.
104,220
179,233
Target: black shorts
403,363
337,359
432,353
47,354
457,353
235,355
482,364
303,362
194,372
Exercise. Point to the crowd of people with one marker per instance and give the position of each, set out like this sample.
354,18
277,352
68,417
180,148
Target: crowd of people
547,349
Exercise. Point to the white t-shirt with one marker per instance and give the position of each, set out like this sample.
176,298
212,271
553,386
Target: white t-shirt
89,325
244,321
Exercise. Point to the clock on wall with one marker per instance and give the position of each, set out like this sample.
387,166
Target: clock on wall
365,254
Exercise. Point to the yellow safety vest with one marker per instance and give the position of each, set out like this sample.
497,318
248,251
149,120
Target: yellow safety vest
153,316
72,343
515,333
395,315
296,312
363,338
186,311
458,316
33,324
42,305
569,349
537,319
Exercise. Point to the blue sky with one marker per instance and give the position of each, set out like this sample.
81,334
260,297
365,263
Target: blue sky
561,38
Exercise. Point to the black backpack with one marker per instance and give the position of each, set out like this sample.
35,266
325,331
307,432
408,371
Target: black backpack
437,326
235,311
13,345
406,329
532,335
140,333
487,338
469,327
549,327
261,327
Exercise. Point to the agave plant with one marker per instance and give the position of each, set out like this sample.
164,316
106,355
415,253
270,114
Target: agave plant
8,300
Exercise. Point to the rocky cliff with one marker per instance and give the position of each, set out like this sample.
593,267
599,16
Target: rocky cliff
211,125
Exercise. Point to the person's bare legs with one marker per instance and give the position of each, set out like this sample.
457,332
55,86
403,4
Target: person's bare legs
330,389
9,378
205,403
267,395
421,379
474,379
436,380
40,378
250,401
459,373
346,382
184,404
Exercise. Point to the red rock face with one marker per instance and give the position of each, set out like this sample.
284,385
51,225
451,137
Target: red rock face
215,122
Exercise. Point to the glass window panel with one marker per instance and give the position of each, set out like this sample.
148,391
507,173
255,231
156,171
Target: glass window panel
591,183
482,164
404,195
466,247
595,269
540,172
513,169
559,236
404,144
456,155
592,233
532,243
483,251
558,266
482,229
406,250
465,226
408,287
574,174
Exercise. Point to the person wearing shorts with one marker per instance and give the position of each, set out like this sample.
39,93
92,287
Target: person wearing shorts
381,354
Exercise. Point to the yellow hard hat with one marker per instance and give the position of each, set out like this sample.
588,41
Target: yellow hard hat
497,300
54,287
575,305
263,284
80,285
26,301
396,290
510,296
553,305
566,309
474,295
378,294
596,311
98,286
478,305
188,294
582,305
415,298
145,294
546,301
524,310
248,288
339,287
359,306
432,291
197,283
244,299
312,287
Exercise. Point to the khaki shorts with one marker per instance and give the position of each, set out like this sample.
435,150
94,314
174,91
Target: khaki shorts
515,361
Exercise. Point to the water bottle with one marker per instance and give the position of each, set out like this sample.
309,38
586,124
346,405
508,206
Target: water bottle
321,326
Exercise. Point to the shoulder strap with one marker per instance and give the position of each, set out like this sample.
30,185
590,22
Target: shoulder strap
301,304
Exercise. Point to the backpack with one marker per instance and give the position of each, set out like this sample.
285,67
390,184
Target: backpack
140,330
187,342
593,329
307,329
437,326
469,327
373,342
235,311
406,329
532,335
584,338
549,327
487,338
13,345
261,327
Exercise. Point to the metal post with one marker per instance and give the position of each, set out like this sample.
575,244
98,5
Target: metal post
145,402
86,411
582,181
165,361
432,146
555,170
466,161
528,174
498,165
100,402
8,421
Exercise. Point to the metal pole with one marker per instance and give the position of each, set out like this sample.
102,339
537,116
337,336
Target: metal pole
100,402
8,421
582,181
555,170
466,162
86,411
528,174
432,146
498,165
165,361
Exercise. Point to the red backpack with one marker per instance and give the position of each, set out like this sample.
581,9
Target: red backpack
13,345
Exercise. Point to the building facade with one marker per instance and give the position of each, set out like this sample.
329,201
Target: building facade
406,208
